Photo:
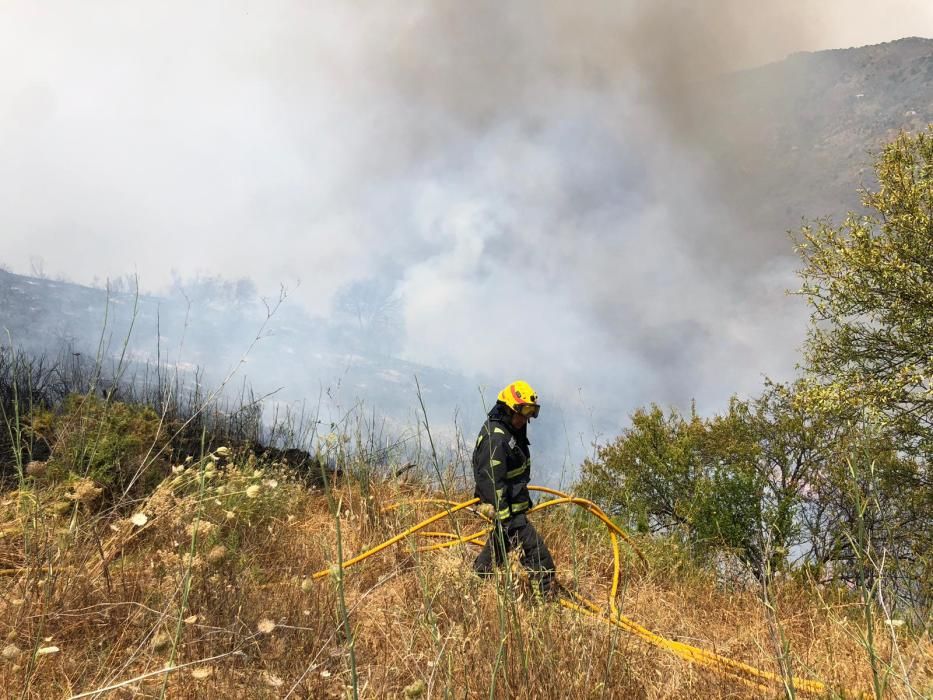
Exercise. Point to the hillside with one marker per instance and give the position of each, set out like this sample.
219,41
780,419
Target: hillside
210,577
796,138
42,314
206,329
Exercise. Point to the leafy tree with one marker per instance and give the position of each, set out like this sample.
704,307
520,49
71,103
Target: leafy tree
869,362
863,483
647,475
685,477
794,447
756,482
870,285
730,516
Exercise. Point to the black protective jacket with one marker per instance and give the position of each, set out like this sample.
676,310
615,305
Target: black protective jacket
502,464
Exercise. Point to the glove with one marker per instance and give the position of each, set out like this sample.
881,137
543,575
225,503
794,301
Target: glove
486,510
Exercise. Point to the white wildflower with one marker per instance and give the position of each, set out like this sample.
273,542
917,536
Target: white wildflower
202,528
202,672
253,491
272,484
265,626
84,491
271,680
139,519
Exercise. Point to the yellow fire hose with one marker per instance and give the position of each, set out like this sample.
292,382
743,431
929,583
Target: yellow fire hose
439,501
410,531
724,666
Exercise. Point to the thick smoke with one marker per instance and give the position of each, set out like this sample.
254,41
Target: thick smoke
535,186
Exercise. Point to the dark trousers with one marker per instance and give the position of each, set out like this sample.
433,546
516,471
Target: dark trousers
518,532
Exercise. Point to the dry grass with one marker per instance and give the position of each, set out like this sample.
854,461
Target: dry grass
109,593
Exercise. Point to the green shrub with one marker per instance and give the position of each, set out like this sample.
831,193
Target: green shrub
97,439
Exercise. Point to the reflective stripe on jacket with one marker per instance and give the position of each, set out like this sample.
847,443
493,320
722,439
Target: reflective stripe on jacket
502,464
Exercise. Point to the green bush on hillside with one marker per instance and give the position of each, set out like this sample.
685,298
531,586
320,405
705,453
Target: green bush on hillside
101,440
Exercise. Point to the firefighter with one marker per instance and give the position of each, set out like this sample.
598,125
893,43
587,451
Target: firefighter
502,470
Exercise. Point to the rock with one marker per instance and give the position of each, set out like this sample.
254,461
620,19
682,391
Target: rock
217,555
36,468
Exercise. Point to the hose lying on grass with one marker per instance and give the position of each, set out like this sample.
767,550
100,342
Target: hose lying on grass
726,667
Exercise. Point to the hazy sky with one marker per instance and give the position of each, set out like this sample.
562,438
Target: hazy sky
514,173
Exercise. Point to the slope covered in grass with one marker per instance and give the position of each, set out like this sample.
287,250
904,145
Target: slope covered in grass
209,574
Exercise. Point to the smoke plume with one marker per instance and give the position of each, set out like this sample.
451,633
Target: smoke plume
535,189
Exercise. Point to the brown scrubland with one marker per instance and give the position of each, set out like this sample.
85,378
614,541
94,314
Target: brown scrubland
203,588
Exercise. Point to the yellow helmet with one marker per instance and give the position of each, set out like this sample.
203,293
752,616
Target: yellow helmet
521,398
